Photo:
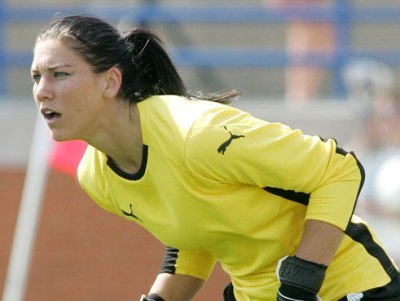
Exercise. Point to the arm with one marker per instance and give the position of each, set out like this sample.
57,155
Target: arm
319,242
301,276
172,287
182,274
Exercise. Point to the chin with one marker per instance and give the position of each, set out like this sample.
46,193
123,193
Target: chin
61,137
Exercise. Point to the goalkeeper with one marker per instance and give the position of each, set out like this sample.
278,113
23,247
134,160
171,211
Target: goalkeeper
272,205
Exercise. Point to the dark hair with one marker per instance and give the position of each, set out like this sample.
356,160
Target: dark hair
145,65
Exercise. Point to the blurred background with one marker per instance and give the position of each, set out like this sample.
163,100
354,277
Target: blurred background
328,67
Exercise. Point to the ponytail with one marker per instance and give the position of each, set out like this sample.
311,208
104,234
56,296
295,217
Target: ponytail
153,72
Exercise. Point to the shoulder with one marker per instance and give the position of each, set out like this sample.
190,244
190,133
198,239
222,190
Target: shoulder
176,107
219,127
219,138
173,119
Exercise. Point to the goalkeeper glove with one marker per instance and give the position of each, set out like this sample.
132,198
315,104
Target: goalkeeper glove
300,279
151,297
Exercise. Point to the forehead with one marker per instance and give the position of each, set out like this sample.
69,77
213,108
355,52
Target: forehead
49,53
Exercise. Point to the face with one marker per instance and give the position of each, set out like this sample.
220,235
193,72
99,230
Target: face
66,90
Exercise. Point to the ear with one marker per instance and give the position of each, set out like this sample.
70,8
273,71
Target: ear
113,82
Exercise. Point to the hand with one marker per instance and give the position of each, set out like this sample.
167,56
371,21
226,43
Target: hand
287,293
300,279
151,297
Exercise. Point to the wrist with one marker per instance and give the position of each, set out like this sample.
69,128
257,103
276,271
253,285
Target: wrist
300,279
302,274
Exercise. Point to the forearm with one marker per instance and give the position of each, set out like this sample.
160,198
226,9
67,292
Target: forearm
302,276
176,287
319,242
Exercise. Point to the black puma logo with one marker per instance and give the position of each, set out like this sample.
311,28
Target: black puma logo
130,213
223,146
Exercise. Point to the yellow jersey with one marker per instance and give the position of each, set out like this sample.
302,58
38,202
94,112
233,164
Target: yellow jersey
217,184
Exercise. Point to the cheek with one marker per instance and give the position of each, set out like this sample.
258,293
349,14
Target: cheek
80,94
85,103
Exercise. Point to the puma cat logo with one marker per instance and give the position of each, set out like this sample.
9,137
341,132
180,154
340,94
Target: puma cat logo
130,213
223,146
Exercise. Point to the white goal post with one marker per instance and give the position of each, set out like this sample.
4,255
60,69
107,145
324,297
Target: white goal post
29,213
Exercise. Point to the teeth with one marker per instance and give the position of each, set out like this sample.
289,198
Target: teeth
48,112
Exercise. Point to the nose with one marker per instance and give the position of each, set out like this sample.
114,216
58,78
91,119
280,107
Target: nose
42,90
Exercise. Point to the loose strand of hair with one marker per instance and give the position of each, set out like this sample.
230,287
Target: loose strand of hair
224,97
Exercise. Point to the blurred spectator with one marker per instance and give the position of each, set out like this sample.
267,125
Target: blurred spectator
305,37
376,141
372,95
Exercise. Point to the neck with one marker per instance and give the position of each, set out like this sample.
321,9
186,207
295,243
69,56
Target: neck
120,138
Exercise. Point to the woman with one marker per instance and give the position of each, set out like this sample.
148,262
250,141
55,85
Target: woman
211,182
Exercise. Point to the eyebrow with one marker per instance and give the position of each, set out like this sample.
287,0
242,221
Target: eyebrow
50,68
59,66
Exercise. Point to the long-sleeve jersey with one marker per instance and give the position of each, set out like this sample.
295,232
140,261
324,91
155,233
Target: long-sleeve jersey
217,184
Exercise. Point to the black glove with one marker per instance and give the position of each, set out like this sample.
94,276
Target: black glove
300,279
152,297
291,293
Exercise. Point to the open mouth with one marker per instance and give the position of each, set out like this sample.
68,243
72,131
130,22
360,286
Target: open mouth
50,114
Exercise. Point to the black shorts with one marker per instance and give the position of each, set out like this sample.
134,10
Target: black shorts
228,293
389,292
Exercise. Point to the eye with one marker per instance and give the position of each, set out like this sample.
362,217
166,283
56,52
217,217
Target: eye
60,74
36,77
